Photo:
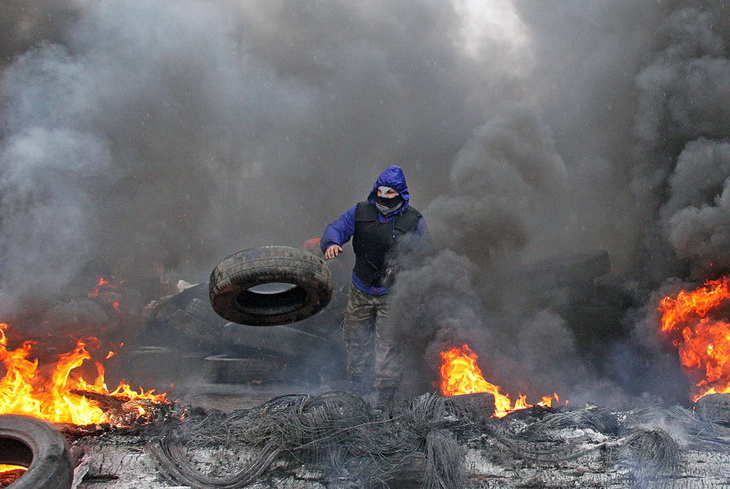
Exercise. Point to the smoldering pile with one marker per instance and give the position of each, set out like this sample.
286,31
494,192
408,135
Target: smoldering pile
336,440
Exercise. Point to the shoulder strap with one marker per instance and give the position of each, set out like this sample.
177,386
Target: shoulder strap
366,211
407,221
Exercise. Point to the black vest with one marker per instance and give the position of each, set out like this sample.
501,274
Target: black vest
374,242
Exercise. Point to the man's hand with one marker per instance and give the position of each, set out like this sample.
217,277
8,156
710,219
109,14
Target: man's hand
332,252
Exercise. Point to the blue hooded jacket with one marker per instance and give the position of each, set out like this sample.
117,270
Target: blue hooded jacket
340,231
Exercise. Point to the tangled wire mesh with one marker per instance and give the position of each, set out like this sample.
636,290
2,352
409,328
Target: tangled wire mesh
337,431
355,446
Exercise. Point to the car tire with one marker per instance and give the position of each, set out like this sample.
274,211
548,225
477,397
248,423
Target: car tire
299,285
35,444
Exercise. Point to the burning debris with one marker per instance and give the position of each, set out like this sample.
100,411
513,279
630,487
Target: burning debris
108,290
460,375
335,441
58,393
466,437
697,323
473,436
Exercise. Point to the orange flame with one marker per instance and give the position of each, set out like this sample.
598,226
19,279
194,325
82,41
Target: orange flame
460,375
703,343
104,285
10,473
26,389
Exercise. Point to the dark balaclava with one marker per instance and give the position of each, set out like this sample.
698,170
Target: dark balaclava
388,205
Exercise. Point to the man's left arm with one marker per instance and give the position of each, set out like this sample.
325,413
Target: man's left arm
421,228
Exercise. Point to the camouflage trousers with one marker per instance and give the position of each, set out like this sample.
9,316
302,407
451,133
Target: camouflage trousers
368,346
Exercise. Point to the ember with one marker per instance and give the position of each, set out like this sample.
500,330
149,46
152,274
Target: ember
460,374
10,473
106,288
56,393
702,341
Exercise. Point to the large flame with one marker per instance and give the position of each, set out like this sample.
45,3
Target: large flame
54,393
703,341
460,375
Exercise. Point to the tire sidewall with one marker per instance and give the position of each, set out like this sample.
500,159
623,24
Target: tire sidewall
270,264
51,466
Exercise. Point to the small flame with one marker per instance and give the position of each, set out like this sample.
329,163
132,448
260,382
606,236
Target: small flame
547,401
104,285
108,290
50,393
461,375
703,343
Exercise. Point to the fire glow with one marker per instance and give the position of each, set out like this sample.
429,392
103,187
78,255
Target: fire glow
10,473
103,286
55,392
703,342
461,375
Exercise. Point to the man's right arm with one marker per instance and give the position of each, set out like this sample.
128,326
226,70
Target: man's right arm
338,233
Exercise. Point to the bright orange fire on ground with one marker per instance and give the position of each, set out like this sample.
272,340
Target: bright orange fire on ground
702,341
49,392
460,375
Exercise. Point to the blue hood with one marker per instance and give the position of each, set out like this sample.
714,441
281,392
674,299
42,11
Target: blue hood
392,177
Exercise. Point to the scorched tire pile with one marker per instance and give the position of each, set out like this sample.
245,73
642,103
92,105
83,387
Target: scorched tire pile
35,444
270,285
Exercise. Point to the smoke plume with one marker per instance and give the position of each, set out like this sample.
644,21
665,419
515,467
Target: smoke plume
148,138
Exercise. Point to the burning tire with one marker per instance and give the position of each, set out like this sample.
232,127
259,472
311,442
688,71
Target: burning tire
269,286
35,444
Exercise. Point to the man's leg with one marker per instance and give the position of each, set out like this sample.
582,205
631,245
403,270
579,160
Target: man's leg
387,359
358,332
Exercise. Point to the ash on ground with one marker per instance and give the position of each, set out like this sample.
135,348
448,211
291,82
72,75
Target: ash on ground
336,440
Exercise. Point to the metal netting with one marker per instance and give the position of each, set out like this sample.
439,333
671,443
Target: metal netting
352,445
337,431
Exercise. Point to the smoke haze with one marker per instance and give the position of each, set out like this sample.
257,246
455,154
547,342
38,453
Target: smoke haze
141,136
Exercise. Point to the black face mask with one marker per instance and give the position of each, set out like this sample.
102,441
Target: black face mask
389,202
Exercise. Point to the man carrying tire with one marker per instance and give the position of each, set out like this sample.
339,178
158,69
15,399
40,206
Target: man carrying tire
380,228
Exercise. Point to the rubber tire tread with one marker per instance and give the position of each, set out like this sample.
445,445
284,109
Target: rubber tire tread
269,264
51,467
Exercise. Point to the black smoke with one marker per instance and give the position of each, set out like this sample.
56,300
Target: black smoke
147,138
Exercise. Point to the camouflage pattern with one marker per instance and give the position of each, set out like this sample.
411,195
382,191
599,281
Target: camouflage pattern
368,349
